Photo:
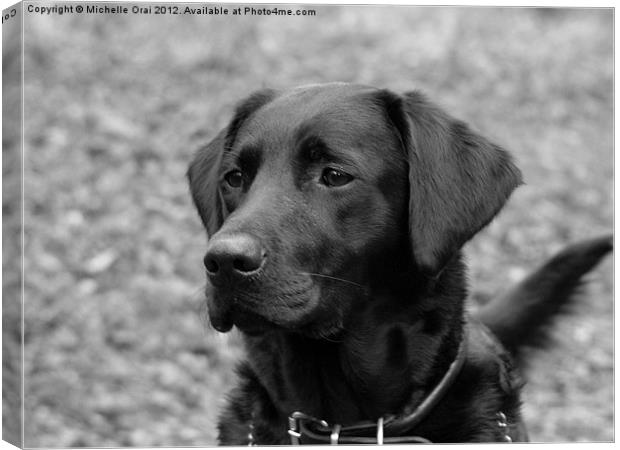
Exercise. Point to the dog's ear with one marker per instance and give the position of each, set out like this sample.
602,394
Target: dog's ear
203,172
458,180
204,181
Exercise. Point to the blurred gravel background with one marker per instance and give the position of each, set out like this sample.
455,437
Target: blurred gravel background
116,349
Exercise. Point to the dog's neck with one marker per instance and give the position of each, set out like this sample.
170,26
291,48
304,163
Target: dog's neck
386,361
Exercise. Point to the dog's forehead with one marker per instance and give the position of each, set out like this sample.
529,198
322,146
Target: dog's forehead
334,111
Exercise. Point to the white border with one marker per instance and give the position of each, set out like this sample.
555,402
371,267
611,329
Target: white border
589,4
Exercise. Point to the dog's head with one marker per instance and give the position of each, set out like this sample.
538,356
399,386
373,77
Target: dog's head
312,196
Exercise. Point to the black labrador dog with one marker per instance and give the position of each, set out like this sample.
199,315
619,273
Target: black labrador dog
336,214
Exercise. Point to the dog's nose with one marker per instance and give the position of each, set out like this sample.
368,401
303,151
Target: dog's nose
236,255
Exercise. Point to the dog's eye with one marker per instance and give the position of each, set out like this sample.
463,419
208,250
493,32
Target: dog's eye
335,178
234,178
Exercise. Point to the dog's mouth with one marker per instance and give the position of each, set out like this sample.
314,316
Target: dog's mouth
224,313
254,314
246,321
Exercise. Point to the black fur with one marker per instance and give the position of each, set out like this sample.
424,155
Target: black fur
520,317
335,249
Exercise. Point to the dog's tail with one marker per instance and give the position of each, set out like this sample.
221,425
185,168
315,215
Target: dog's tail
521,317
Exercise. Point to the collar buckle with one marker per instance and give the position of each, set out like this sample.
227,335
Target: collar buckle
294,429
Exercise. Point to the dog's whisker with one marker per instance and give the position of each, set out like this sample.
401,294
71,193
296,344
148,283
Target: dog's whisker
312,274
